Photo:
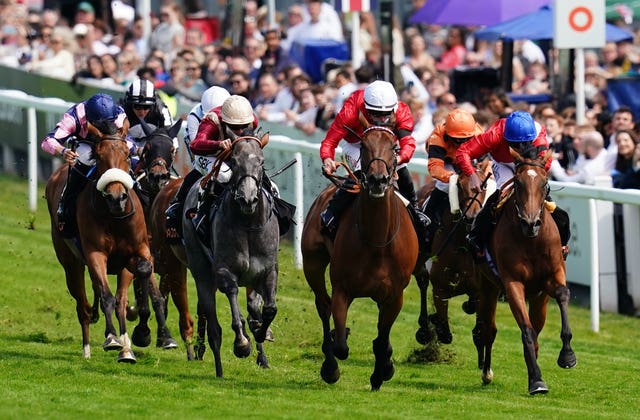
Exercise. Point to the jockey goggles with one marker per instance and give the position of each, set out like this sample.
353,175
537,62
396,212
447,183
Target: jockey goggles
456,140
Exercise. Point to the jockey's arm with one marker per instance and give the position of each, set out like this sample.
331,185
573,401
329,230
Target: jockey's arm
437,154
202,144
407,146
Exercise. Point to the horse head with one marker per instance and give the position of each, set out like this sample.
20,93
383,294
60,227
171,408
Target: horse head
378,158
158,154
463,199
246,163
531,186
112,166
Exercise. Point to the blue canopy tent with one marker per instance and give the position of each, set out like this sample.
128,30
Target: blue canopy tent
538,25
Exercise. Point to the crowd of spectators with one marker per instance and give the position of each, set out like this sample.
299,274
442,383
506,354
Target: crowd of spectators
182,65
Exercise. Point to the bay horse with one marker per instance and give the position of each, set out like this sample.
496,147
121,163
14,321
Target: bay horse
111,239
373,255
526,249
453,271
155,174
243,250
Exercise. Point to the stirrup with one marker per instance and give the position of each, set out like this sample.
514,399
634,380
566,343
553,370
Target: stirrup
565,252
328,223
476,250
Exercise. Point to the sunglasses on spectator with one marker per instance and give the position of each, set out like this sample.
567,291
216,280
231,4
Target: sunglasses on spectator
137,106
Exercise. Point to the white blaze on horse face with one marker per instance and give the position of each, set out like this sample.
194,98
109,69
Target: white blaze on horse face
532,173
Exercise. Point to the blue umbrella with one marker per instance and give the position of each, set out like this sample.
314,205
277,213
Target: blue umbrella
473,12
538,26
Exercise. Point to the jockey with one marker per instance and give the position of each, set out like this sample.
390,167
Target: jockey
442,145
379,104
142,103
236,115
519,132
100,111
211,98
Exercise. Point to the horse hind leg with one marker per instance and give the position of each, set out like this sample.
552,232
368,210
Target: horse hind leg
255,322
201,328
75,284
567,358
424,334
440,319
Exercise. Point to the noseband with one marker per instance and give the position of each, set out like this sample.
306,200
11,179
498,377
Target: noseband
391,168
257,179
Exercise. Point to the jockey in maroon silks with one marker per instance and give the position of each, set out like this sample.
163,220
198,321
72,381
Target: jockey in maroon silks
379,104
100,110
520,132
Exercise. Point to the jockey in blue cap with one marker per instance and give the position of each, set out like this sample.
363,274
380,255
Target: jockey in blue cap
100,111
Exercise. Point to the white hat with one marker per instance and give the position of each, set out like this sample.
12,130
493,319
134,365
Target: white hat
80,29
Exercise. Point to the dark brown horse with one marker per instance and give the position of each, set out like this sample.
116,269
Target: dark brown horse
452,271
373,255
112,239
171,262
527,252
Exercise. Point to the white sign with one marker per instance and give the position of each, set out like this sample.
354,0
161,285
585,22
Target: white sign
579,23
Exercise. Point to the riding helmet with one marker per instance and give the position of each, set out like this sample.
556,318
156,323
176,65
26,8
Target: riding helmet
213,98
380,96
141,92
236,110
101,107
520,127
460,124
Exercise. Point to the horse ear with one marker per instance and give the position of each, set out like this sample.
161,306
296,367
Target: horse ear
517,157
232,136
175,129
547,156
363,120
145,127
264,140
125,127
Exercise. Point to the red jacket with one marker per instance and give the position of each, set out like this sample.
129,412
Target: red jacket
211,132
348,116
492,141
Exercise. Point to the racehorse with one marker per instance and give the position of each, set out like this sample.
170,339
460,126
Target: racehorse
526,249
111,239
171,262
373,255
157,157
243,250
453,271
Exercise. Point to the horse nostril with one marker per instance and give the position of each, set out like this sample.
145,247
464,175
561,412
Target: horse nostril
537,223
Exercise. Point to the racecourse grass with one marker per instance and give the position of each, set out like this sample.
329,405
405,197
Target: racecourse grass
43,374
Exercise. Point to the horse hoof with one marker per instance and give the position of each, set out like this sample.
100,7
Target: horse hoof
166,343
242,350
262,361
191,355
375,383
199,348
141,336
567,359
445,338
469,307
111,343
330,372
269,336
538,387
132,313
487,377
127,356
424,336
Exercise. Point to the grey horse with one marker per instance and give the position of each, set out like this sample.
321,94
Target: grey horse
243,251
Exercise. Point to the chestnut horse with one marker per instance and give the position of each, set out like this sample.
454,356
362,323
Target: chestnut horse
243,250
453,271
112,239
373,255
525,246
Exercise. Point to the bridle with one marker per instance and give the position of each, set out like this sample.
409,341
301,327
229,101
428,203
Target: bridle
390,168
516,187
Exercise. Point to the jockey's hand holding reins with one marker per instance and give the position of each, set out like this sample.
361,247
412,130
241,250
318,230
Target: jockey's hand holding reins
475,183
329,166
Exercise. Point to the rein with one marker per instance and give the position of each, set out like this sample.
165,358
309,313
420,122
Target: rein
516,186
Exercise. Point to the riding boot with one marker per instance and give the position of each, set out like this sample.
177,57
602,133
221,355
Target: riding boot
200,220
341,199
67,205
433,210
420,221
561,217
283,210
481,227
173,212
270,186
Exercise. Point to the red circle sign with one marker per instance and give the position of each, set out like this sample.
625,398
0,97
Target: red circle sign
578,11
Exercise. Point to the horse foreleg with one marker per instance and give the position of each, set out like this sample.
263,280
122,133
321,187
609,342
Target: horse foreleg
484,333
516,298
208,318
229,286
339,305
124,280
159,303
254,304
441,318
384,369
200,347
97,263
141,335
567,358
424,334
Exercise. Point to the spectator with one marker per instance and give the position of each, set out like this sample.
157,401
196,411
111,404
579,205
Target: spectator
128,63
85,13
561,144
92,70
447,100
631,178
62,64
168,36
266,93
295,18
317,27
240,84
253,50
423,123
304,118
455,51
417,56
436,87
627,141
137,37
591,163
499,103
111,68
275,57
345,86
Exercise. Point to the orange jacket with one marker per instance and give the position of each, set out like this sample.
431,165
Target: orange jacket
441,151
